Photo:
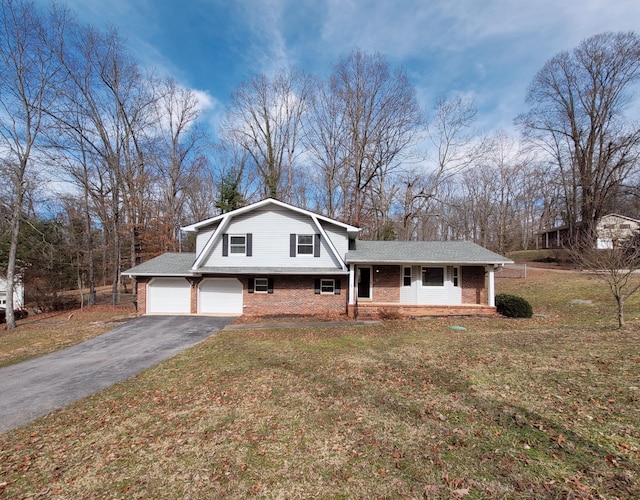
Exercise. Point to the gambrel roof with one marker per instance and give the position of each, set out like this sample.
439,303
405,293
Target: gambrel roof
351,230
221,222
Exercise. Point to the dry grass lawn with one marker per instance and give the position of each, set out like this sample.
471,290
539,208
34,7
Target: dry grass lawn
542,408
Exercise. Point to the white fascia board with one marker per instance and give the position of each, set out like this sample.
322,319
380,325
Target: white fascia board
334,250
352,230
214,237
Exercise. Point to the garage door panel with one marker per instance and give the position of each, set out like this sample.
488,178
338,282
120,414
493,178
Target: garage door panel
169,296
220,296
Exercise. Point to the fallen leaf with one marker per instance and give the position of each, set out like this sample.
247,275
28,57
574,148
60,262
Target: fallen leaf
460,492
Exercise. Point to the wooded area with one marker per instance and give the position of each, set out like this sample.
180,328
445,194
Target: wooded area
102,161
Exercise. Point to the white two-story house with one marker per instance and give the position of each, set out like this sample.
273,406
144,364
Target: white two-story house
271,258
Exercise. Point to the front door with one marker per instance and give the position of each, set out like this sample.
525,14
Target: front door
364,282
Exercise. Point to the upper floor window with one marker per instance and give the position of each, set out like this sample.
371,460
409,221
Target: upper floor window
238,244
305,244
432,276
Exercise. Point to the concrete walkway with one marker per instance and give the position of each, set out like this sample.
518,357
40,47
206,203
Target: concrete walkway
35,387
301,324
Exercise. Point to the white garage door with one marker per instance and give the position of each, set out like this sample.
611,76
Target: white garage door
169,296
220,296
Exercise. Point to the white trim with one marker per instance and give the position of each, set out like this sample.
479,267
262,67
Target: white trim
255,285
195,227
332,247
491,291
214,237
333,286
244,244
444,276
352,279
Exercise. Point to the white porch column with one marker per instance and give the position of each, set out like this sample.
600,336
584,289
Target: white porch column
352,282
492,291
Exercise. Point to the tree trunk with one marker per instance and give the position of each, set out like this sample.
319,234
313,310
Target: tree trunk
620,304
13,250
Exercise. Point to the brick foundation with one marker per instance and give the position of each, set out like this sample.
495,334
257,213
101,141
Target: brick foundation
375,311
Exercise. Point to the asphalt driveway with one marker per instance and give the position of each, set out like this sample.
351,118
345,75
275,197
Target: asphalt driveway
38,386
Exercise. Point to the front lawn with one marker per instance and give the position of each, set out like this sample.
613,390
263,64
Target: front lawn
542,408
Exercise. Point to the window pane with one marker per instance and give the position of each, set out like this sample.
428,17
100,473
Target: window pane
432,276
237,244
261,285
327,286
406,280
305,244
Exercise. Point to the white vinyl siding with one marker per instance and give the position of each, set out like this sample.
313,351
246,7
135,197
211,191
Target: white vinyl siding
168,296
203,238
445,294
271,229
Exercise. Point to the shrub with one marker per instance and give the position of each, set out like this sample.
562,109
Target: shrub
513,306
389,314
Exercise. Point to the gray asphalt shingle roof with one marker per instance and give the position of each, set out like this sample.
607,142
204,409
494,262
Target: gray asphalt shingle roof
167,264
422,252
366,252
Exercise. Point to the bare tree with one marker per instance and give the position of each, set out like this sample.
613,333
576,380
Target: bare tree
177,150
577,117
618,266
108,106
451,137
29,76
324,140
264,116
379,121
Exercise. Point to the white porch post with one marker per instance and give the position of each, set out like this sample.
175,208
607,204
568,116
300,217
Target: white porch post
492,293
351,284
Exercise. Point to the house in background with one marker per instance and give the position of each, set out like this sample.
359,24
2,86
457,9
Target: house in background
18,294
271,258
611,228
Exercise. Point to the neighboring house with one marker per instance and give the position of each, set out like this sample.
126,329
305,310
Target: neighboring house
611,228
18,294
271,258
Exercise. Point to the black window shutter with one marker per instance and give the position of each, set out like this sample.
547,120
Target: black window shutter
270,285
251,285
225,245
292,245
316,246
336,288
317,287
249,244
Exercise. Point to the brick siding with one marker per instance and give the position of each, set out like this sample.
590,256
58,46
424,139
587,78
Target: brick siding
295,295
474,289
141,295
386,284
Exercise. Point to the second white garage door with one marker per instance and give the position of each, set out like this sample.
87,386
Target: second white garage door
220,296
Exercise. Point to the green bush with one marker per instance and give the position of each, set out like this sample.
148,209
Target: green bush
513,306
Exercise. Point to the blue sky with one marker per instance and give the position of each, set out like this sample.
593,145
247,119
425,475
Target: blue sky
488,50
